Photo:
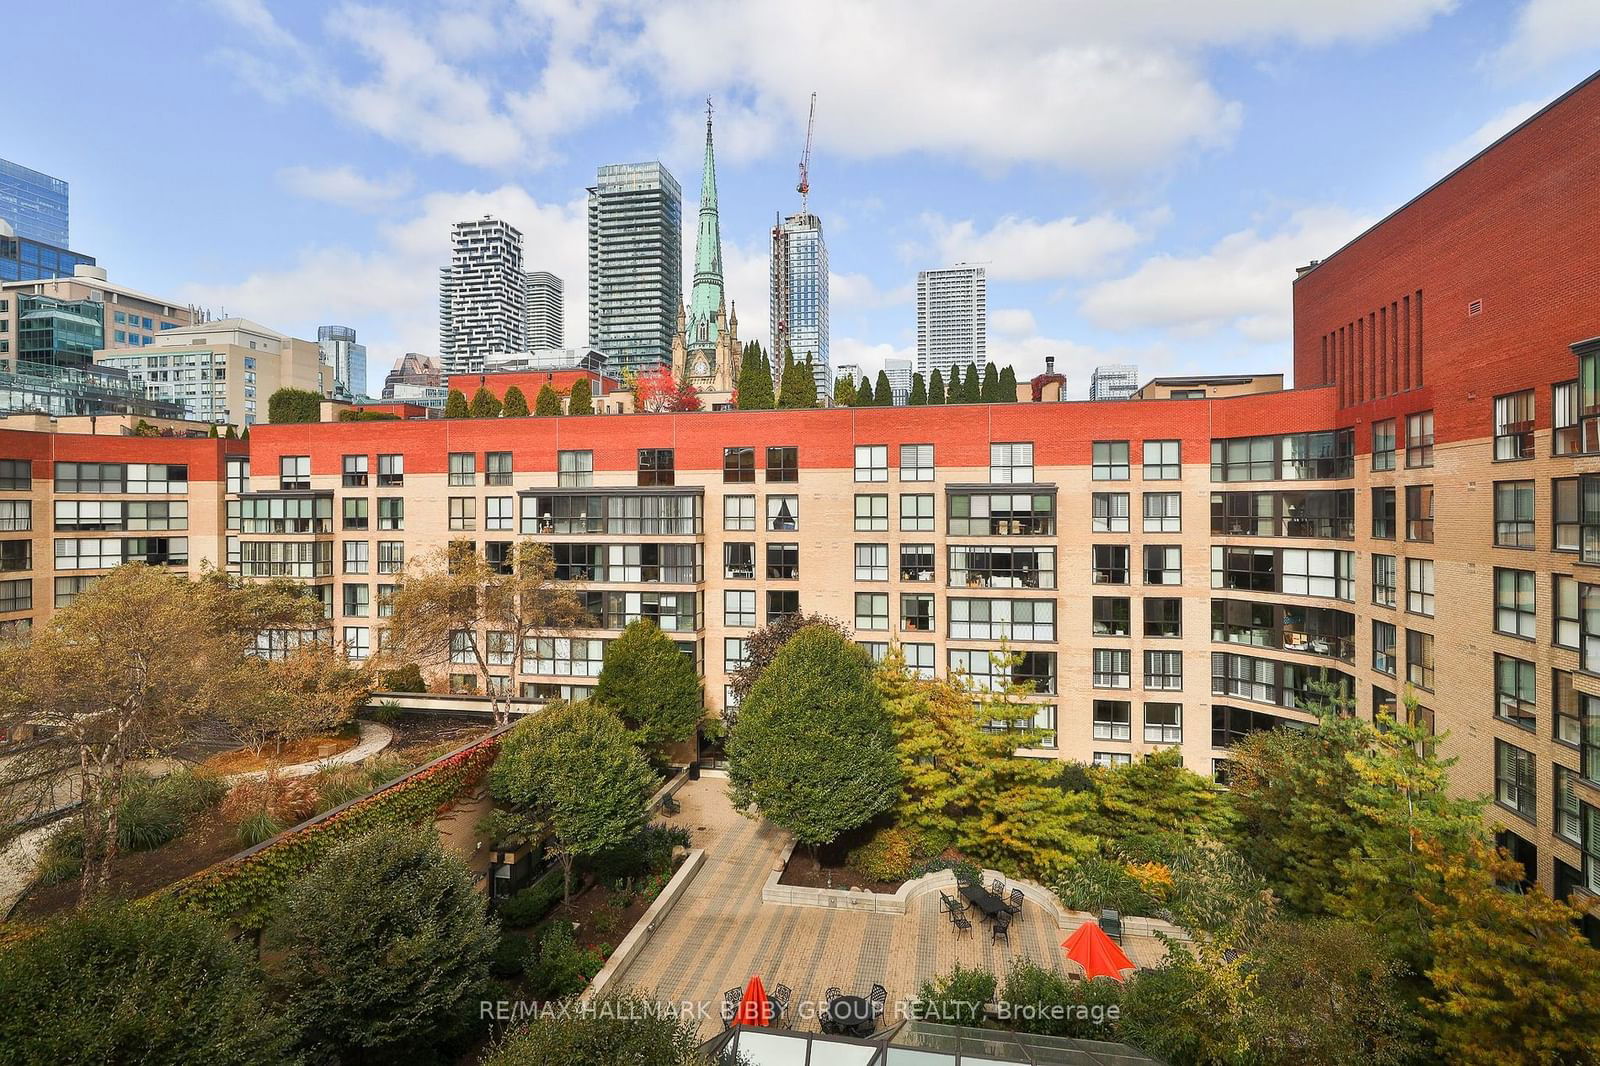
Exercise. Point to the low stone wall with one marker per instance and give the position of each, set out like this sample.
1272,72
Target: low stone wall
645,928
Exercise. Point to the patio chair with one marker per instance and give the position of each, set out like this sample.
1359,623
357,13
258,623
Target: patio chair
963,925
730,1007
1015,905
1001,930
781,994
1111,924
831,994
998,888
878,997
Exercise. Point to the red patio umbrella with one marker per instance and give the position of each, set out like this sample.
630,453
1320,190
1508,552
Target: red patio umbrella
754,1006
1098,954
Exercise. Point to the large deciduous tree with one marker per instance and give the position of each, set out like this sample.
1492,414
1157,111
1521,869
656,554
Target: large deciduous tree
575,771
763,645
651,685
813,749
1157,795
314,688
455,604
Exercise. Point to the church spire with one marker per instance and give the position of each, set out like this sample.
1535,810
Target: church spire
707,295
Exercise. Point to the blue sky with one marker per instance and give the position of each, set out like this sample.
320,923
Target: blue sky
1141,178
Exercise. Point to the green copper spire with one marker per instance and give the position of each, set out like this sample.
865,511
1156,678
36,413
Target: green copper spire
706,298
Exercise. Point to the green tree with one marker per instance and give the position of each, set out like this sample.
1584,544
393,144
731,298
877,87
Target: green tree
651,685
379,946
121,983
936,396
755,380
813,749
1155,795
575,770
580,401
883,395
844,392
991,385
919,391
455,405
232,433
289,406
211,431
484,404
798,389
1008,386
972,385
618,1029
548,402
763,646
953,390
516,403
864,396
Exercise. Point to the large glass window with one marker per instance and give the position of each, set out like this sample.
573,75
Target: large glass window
739,513
574,469
872,462
872,513
783,562
497,468
916,612
1515,691
1513,514
657,466
1025,620
1514,611
1109,512
1110,616
916,462
1163,512
1110,564
916,512
1163,723
354,471
872,562
1163,564
1163,670
463,468
1161,460
1513,425
1002,514
783,513
1112,720
989,567
916,562
1110,460
1419,439
1012,463
391,470
1113,668
294,472
1163,616
872,610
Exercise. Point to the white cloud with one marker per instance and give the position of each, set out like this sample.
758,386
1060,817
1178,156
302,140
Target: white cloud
1442,162
1242,281
1546,31
345,187
857,292
1012,322
1025,249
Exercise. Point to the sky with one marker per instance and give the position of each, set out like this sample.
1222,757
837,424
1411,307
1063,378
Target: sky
1140,177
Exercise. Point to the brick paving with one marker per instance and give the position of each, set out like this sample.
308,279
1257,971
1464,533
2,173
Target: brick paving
720,932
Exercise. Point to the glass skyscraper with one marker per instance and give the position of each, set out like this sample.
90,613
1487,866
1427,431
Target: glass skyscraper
635,264
346,360
799,308
34,204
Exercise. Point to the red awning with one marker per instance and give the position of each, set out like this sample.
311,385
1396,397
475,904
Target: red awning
754,1006
1098,954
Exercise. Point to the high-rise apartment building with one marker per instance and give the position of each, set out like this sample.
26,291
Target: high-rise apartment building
544,326
799,296
34,204
952,318
635,264
898,371
1113,382
481,294
344,360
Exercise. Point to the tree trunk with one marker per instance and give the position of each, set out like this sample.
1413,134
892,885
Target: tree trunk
89,818
566,878
113,802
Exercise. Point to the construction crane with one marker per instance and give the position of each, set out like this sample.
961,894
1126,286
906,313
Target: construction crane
804,185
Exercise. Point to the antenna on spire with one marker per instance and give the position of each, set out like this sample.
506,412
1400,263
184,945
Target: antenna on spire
708,111
804,185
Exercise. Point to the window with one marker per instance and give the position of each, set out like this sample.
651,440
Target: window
1113,668
1163,723
1383,445
1419,439
1383,580
783,561
1383,514
1514,691
1589,627
1514,780
919,659
783,603
18,555
916,612
498,513
872,462
1110,564
739,513
1569,810
391,512
1110,616
1113,720
1589,518
739,561
355,556
783,463
1002,568
916,462
1513,514
1319,572
1566,515
1032,669
916,512
783,513
1419,513
357,600
1161,460
1163,564
1110,512
1589,748
1110,461
354,469
1383,657
1245,569
1316,456
657,466
294,472
1013,463
1002,514
739,466
1565,594
355,512
1419,586
1002,620
1244,459
1513,602
463,468
17,515
357,642
463,513
91,477
1244,514
16,595
1162,512
575,469
872,610
735,653
1513,426
738,607
872,562
1163,670
872,513
1108,759
391,556
1419,658
238,474
916,562
1163,617
1564,419
391,470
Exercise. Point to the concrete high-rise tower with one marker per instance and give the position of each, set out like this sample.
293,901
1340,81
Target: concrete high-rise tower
952,318
481,294
345,361
799,289
1113,382
542,294
635,264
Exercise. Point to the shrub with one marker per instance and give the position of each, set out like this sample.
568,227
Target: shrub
484,404
515,404
258,827
1048,1003
290,406
354,415
563,967
889,855
135,983
407,678
510,955
61,858
958,997
529,906
649,852
1094,883
455,405
386,712
626,1029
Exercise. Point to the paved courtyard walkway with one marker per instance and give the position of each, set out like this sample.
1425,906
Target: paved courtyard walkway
720,932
